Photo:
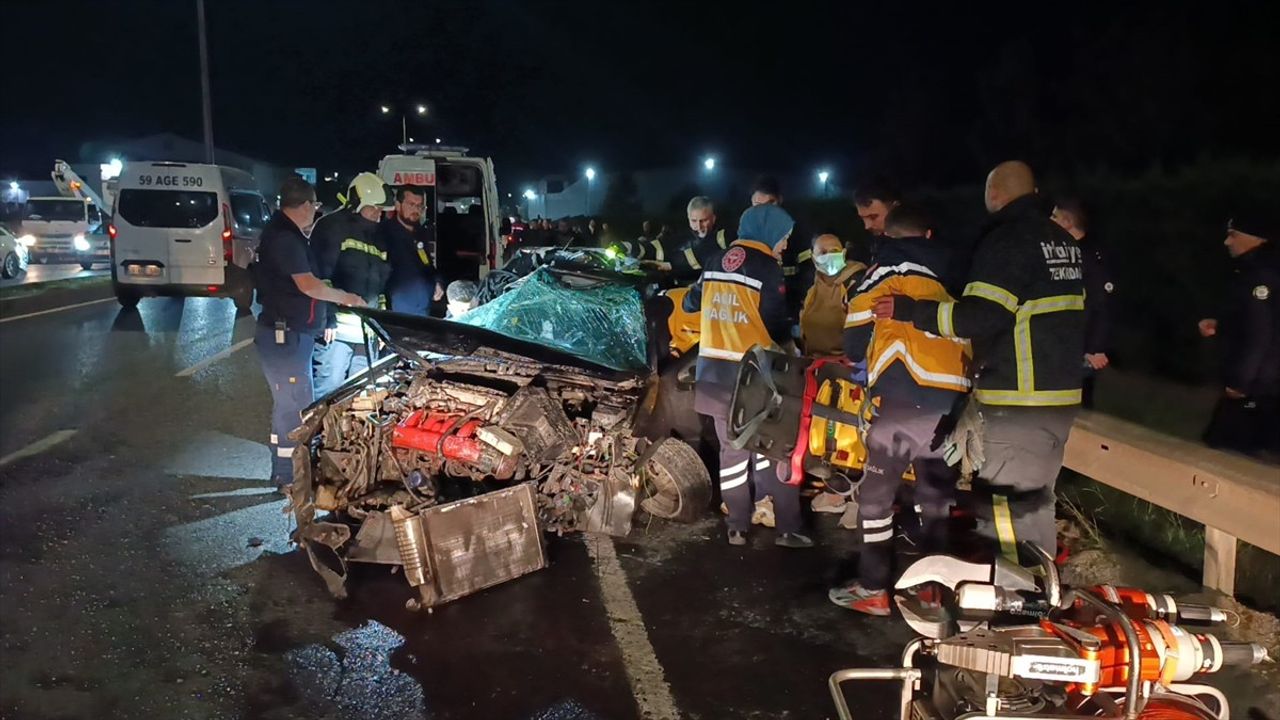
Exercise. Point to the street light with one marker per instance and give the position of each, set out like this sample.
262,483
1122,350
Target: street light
529,194
823,176
404,121
591,175
709,163
14,186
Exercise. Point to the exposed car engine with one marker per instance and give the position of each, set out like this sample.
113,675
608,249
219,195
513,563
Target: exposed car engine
436,430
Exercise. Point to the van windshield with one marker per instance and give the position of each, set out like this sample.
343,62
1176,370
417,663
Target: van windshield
55,210
167,208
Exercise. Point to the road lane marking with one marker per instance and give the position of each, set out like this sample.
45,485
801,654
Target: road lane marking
38,446
648,681
242,492
215,358
57,309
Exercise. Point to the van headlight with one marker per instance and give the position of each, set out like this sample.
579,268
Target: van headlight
81,244
28,240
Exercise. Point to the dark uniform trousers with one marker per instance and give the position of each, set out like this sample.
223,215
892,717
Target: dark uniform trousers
901,436
287,367
1023,448
741,472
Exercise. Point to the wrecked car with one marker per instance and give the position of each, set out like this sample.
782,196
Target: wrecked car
453,456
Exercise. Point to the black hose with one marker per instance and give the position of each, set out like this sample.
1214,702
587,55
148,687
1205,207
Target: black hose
1134,683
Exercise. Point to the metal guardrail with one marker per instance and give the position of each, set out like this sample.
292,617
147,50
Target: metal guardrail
1236,498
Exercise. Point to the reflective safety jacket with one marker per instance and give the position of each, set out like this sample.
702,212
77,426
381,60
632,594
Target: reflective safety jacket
742,301
1023,309
695,253
910,267
354,257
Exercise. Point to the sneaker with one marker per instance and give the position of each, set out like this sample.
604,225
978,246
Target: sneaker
793,540
763,514
859,599
829,503
737,538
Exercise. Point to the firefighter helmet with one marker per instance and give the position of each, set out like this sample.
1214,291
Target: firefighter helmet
367,190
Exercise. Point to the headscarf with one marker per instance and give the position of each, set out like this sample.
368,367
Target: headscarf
768,224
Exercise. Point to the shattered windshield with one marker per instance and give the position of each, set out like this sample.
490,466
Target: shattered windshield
602,322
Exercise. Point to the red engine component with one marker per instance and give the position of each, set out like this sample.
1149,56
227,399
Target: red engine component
439,434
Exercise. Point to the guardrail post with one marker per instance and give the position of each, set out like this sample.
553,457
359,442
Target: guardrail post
1219,560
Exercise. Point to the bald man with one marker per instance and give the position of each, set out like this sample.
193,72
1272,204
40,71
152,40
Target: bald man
1023,309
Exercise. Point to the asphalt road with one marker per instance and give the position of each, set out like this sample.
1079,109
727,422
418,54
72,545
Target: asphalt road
144,571
37,273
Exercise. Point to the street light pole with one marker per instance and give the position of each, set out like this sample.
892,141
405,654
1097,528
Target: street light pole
205,101
591,176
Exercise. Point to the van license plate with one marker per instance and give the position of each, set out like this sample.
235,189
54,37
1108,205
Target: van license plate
144,270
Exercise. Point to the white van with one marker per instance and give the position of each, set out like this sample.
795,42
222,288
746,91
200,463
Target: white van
185,229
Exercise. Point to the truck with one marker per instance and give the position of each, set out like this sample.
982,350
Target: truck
462,205
68,227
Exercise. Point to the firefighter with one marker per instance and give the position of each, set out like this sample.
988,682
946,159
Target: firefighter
742,301
292,297
915,380
701,245
414,283
353,258
1247,417
1023,310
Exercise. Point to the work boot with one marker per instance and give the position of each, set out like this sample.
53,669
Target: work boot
737,538
828,503
763,514
859,599
793,540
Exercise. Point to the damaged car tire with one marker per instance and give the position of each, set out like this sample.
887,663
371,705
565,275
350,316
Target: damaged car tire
677,484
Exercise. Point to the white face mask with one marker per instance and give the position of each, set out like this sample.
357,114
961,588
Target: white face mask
457,309
831,263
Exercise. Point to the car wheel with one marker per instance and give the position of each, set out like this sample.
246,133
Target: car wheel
677,484
12,266
128,298
86,265
240,288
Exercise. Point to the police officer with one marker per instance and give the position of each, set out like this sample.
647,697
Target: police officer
1247,417
352,258
1070,215
292,297
414,282
742,302
1023,309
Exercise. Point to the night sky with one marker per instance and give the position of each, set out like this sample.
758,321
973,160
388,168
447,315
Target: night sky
924,92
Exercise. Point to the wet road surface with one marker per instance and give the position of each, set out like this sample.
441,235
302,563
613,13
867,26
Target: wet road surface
37,273
144,570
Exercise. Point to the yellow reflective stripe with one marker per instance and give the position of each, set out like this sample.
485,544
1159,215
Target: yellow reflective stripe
1004,527
720,240
422,255
995,294
1040,398
354,244
854,319
788,271
946,324
658,253
804,256
1055,303
1024,353
692,259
